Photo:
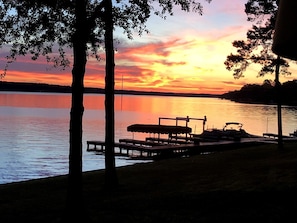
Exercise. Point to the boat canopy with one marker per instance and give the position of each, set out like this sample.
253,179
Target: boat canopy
161,129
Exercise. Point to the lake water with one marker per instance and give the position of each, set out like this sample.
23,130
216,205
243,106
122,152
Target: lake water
34,133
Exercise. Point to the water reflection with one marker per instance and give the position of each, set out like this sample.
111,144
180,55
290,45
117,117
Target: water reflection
35,100
132,109
34,134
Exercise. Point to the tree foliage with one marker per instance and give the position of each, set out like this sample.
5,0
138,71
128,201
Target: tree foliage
37,27
256,49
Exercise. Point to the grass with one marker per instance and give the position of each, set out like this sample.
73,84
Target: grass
254,184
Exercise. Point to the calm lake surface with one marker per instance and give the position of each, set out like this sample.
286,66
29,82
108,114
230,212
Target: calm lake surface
34,129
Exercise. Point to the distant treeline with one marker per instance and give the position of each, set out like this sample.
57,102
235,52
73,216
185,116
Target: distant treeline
39,87
33,87
265,93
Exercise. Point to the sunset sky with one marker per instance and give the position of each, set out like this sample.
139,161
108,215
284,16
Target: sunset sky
184,53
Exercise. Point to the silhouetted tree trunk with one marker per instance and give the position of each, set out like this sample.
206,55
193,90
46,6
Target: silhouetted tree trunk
111,179
75,208
279,105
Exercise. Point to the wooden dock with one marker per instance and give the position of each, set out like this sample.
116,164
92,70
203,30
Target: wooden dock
141,149
179,141
151,150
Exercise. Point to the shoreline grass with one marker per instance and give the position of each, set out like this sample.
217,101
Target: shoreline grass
251,184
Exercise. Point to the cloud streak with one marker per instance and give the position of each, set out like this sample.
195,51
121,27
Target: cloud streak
184,53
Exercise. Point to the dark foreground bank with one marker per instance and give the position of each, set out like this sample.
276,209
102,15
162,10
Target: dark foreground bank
255,184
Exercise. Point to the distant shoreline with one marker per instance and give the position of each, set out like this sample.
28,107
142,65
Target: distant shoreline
50,88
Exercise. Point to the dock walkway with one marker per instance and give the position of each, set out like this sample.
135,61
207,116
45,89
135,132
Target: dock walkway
124,148
167,141
140,142
142,149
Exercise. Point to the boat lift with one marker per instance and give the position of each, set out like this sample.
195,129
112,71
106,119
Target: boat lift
185,119
172,131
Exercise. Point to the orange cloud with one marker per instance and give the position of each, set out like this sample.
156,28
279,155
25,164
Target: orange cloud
192,65
184,53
